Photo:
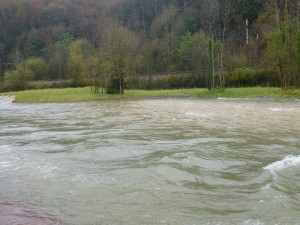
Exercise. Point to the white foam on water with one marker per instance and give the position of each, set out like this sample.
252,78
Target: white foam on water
5,164
190,114
253,222
186,161
267,187
279,198
204,115
282,109
4,149
288,161
47,170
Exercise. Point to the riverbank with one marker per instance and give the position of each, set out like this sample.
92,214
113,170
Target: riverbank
84,94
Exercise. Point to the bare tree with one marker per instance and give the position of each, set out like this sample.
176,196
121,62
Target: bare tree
210,11
283,50
225,16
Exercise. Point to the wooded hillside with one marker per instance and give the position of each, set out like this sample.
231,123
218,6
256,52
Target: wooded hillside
222,43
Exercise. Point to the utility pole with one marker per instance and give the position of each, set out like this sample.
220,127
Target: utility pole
257,55
247,32
211,63
247,42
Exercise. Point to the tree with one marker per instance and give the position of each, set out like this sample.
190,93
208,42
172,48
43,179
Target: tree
194,54
38,67
31,43
283,42
210,13
225,17
79,54
95,69
56,55
118,46
249,9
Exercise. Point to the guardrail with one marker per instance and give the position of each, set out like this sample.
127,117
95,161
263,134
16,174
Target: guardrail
162,74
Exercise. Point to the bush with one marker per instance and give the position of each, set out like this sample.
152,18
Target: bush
50,84
170,82
38,67
113,85
245,77
132,83
16,80
4,88
176,82
159,83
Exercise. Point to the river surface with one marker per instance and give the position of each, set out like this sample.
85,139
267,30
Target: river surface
178,161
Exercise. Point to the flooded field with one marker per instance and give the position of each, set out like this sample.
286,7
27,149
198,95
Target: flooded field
152,161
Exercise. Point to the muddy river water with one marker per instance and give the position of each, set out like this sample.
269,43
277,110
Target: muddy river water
152,161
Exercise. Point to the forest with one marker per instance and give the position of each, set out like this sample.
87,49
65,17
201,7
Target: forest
117,44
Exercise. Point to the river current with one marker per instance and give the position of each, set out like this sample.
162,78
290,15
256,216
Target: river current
178,161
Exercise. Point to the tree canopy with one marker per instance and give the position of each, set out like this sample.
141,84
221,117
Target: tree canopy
68,39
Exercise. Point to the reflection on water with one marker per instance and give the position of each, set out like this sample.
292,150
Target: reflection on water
155,161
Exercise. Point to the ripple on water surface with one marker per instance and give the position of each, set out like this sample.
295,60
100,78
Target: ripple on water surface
161,161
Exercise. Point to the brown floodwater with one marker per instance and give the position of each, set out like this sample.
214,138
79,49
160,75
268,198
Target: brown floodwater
151,161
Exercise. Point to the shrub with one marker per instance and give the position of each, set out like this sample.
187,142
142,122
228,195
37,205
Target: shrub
17,79
245,77
38,67
171,82
113,85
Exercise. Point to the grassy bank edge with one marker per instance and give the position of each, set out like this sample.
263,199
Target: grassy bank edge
84,94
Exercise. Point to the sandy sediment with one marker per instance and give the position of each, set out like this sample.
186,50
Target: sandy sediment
11,98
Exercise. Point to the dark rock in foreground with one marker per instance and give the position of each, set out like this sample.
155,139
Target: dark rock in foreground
22,215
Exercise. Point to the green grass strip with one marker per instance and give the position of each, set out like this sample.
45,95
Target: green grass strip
84,94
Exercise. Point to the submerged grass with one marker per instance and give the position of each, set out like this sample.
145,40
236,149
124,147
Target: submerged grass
84,94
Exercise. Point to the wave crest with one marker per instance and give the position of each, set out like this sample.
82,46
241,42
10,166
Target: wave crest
288,161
